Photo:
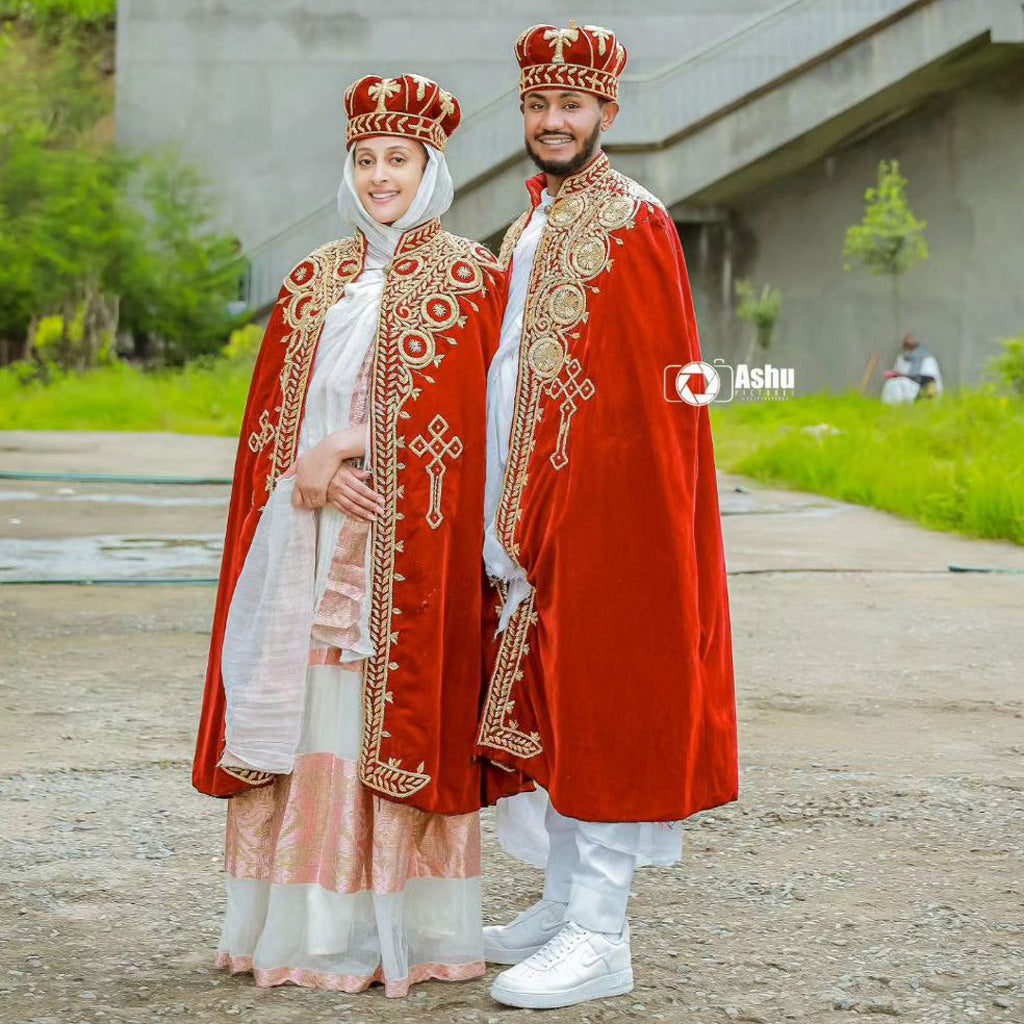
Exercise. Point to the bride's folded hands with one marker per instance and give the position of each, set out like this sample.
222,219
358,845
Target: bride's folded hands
350,493
314,470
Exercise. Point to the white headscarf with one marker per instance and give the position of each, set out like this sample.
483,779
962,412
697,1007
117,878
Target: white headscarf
432,199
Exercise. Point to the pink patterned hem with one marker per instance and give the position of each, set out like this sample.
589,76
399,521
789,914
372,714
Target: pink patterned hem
349,983
322,826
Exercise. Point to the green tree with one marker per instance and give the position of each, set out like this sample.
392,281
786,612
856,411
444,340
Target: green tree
61,222
102,239
1008,365
51,16
184,274
889,240
761,311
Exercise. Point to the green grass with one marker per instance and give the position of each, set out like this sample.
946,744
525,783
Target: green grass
201,399
954,464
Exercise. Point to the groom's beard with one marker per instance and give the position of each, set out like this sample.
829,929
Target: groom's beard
564,168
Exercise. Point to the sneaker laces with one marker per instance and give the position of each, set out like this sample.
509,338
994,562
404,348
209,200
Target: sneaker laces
553,950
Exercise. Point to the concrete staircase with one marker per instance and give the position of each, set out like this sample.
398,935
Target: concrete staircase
768,97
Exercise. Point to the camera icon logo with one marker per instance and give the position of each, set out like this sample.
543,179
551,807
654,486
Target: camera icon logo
679,381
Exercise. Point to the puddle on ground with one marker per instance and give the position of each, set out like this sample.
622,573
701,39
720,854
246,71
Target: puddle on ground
111,556
151,500
732,503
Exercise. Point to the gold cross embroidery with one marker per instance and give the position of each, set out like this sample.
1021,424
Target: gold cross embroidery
421,85
259,439
558,38
601,34
568,391
447,103
437,447
380,91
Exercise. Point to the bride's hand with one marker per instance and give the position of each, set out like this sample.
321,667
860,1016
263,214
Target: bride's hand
349,492
314,470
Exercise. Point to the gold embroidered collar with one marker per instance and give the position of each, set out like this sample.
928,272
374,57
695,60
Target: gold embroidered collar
594,174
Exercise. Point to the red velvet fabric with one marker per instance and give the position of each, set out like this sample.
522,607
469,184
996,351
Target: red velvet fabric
587,58
247,498
628,676
410,106
429,673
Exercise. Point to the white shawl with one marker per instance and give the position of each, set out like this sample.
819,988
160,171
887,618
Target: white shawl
268,631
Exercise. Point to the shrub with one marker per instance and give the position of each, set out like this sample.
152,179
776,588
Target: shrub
1008,366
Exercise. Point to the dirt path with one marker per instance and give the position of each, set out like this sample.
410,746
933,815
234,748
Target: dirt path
872,865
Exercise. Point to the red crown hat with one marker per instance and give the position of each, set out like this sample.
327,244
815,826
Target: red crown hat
590,59
411,107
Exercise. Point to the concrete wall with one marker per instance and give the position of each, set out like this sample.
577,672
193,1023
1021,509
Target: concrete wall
963,156
251,90
252,93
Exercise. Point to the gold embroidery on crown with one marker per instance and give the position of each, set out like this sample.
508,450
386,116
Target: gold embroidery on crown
382,91
394,122
558,37
574,249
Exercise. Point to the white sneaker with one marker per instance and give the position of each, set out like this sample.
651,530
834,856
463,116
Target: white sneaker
525,934
576,965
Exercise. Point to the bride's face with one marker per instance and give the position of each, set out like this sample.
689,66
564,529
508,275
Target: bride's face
387,173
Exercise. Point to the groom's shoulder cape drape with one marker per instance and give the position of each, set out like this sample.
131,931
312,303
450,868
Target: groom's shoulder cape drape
612,684
439,323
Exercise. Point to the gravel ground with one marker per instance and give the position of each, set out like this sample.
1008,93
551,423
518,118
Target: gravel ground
873,864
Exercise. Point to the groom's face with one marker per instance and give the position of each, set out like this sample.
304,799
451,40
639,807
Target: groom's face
563,128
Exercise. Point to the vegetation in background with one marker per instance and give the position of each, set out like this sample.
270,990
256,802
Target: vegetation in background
206,396
952,464
110,243
54,15
1008,366
889,240
95,243
761,311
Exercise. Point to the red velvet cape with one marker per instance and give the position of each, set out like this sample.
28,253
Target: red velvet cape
439,325
612,685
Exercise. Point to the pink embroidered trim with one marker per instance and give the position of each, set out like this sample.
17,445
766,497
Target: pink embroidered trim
336,621
321,825
337,618
350,983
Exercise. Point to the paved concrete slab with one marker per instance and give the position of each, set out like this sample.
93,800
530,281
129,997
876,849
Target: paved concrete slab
872,864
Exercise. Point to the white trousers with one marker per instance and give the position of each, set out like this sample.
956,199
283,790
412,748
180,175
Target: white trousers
592,879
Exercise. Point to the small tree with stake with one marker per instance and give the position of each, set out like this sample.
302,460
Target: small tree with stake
889,239
761,311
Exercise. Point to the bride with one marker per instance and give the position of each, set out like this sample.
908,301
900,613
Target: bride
345,666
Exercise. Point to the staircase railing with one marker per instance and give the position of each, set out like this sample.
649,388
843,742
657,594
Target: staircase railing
657,106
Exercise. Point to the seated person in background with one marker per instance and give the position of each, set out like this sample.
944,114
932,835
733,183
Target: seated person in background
915,375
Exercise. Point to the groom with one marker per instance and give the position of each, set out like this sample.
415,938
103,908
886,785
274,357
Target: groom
611,683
